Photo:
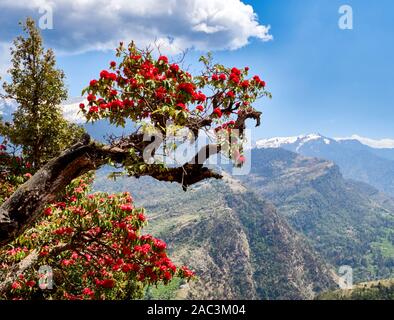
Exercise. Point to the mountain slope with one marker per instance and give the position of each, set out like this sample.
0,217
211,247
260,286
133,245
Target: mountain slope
239,245
375,290
356,161
347,222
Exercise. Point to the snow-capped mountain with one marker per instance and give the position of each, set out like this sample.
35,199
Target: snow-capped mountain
292,143
356,160
70,109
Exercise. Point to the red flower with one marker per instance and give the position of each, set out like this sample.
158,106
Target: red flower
126,207
200,108
135,57
164,59
91,97
236,71
112,64
182,106
215,77
28,175
231,94
245,84
141,217
93,83
48,212
93,109
16,286
187,87
218,112
88,292
258,81
112,76
64,230
45,252
234,78
127,267
187,272
167,275
160,93
222,77
61,205
104,74
241,159
159,244
82,105
131,235
31,283
2,147
106,283
256,78
174,68
200,97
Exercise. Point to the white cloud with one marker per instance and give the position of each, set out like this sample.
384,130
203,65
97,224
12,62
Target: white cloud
7,107
84,25
379,144
4,58
71,110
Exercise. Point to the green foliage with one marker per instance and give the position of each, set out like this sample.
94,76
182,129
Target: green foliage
95,248
164,292
347,223
377,290
36,85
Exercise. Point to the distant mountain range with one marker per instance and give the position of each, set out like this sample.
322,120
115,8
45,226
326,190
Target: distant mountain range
347,222
357,161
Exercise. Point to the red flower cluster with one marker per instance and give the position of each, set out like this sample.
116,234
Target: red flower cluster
64,231
258,81
143,87
109,251
105,75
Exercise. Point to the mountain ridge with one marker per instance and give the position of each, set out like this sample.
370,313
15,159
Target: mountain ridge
355,160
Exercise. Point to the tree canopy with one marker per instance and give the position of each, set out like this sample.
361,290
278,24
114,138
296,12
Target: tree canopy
38,88
94,242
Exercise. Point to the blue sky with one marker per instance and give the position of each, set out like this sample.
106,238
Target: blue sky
323,79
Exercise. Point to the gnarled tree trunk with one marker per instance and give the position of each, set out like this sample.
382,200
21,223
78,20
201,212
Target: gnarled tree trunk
27,203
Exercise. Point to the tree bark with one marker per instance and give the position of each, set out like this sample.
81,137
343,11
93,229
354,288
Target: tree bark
28,201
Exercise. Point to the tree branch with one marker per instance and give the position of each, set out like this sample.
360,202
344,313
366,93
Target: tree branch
26,204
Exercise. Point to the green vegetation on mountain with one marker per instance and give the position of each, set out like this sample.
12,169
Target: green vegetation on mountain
347,222
375,290
238,245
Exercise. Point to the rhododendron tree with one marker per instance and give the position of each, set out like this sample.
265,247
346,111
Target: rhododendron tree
149,94
93,243
94,247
